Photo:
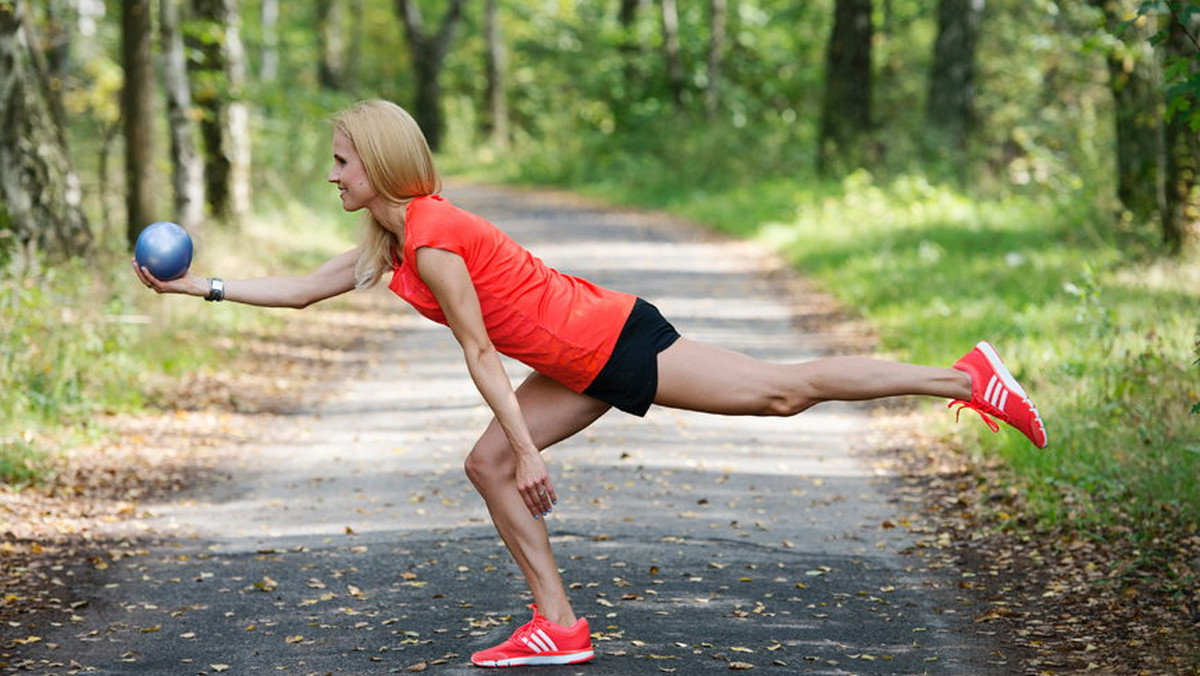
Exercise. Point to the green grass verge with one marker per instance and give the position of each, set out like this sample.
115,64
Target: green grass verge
84,340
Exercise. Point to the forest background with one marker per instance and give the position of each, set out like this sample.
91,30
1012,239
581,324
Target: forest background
1023,170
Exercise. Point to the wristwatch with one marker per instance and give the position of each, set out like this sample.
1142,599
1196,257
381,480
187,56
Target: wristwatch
216,289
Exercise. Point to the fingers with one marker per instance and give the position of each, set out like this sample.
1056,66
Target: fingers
145,277
540,498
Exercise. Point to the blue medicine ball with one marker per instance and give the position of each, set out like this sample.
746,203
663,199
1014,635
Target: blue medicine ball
165,249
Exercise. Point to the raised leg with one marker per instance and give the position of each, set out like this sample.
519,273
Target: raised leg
552,413
701,377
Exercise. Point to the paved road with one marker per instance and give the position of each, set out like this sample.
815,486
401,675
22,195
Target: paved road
694,544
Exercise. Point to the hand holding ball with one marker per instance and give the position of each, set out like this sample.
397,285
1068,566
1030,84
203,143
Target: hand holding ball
165,249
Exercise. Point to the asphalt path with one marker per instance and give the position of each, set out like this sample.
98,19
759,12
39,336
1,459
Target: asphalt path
693,544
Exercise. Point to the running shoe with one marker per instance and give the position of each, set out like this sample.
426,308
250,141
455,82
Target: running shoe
996,393
540,642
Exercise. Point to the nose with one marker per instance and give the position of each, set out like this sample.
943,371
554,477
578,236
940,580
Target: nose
332,176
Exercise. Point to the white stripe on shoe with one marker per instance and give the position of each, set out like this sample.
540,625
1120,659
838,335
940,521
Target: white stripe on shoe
996,394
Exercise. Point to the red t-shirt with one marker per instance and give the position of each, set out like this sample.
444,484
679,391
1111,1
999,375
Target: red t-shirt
562,326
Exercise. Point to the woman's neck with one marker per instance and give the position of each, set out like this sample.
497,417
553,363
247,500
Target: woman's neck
390,216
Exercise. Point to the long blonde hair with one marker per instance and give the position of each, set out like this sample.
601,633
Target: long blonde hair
400,167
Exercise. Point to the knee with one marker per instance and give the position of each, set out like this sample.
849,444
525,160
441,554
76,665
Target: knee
484,466
787,404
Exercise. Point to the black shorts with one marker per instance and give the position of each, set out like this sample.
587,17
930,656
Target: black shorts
629,379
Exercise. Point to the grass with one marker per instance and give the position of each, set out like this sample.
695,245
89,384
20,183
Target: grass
83,341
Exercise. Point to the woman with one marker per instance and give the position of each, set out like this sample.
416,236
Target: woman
591,349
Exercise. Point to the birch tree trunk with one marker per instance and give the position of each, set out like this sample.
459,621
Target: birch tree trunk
40,196
268,68
218,80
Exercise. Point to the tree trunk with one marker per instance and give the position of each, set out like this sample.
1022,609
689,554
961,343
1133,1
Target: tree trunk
218,78
716,56
846,106
428,53
331,37
268,68
670,27
950,106
496,120
1182,196
40,196
631,48
137,107
1137,102
187,169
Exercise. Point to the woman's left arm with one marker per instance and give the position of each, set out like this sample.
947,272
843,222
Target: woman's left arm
446,275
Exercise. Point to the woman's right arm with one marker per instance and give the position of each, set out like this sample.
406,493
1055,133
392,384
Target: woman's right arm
334,277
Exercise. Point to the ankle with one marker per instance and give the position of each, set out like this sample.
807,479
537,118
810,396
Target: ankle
563,617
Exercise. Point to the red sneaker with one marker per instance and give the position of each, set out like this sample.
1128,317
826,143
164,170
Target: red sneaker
995,392
540,642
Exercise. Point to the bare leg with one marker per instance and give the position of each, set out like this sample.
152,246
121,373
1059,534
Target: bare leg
701,377
552,413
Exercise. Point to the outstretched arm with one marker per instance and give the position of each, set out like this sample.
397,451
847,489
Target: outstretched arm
446,275
334,277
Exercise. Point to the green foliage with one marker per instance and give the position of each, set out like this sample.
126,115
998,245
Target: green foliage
65,356
1179,31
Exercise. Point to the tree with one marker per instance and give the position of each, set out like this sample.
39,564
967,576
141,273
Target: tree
1181,44
218,80
331,68
268,67
950,106
670,28
846,105
1135,82
428,52
716,55
187,170
40,196
137,110
495,62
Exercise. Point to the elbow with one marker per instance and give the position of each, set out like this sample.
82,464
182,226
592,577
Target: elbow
480,353
304,298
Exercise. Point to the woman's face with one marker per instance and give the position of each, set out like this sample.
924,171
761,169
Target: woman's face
349,174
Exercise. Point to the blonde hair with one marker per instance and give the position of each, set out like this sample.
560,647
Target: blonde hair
400,167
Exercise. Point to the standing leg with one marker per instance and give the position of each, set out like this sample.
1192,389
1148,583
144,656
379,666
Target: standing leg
701,377
552,413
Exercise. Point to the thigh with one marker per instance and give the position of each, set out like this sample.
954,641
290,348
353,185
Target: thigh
552,413
701,377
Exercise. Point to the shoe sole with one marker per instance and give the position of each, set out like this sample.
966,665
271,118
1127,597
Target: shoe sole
1011,383
539,660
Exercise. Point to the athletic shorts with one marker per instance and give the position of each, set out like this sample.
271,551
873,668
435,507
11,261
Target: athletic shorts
629,379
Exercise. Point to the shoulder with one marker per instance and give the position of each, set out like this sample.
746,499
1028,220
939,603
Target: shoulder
433,221
432,206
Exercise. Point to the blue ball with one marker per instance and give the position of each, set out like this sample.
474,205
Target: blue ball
165,249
